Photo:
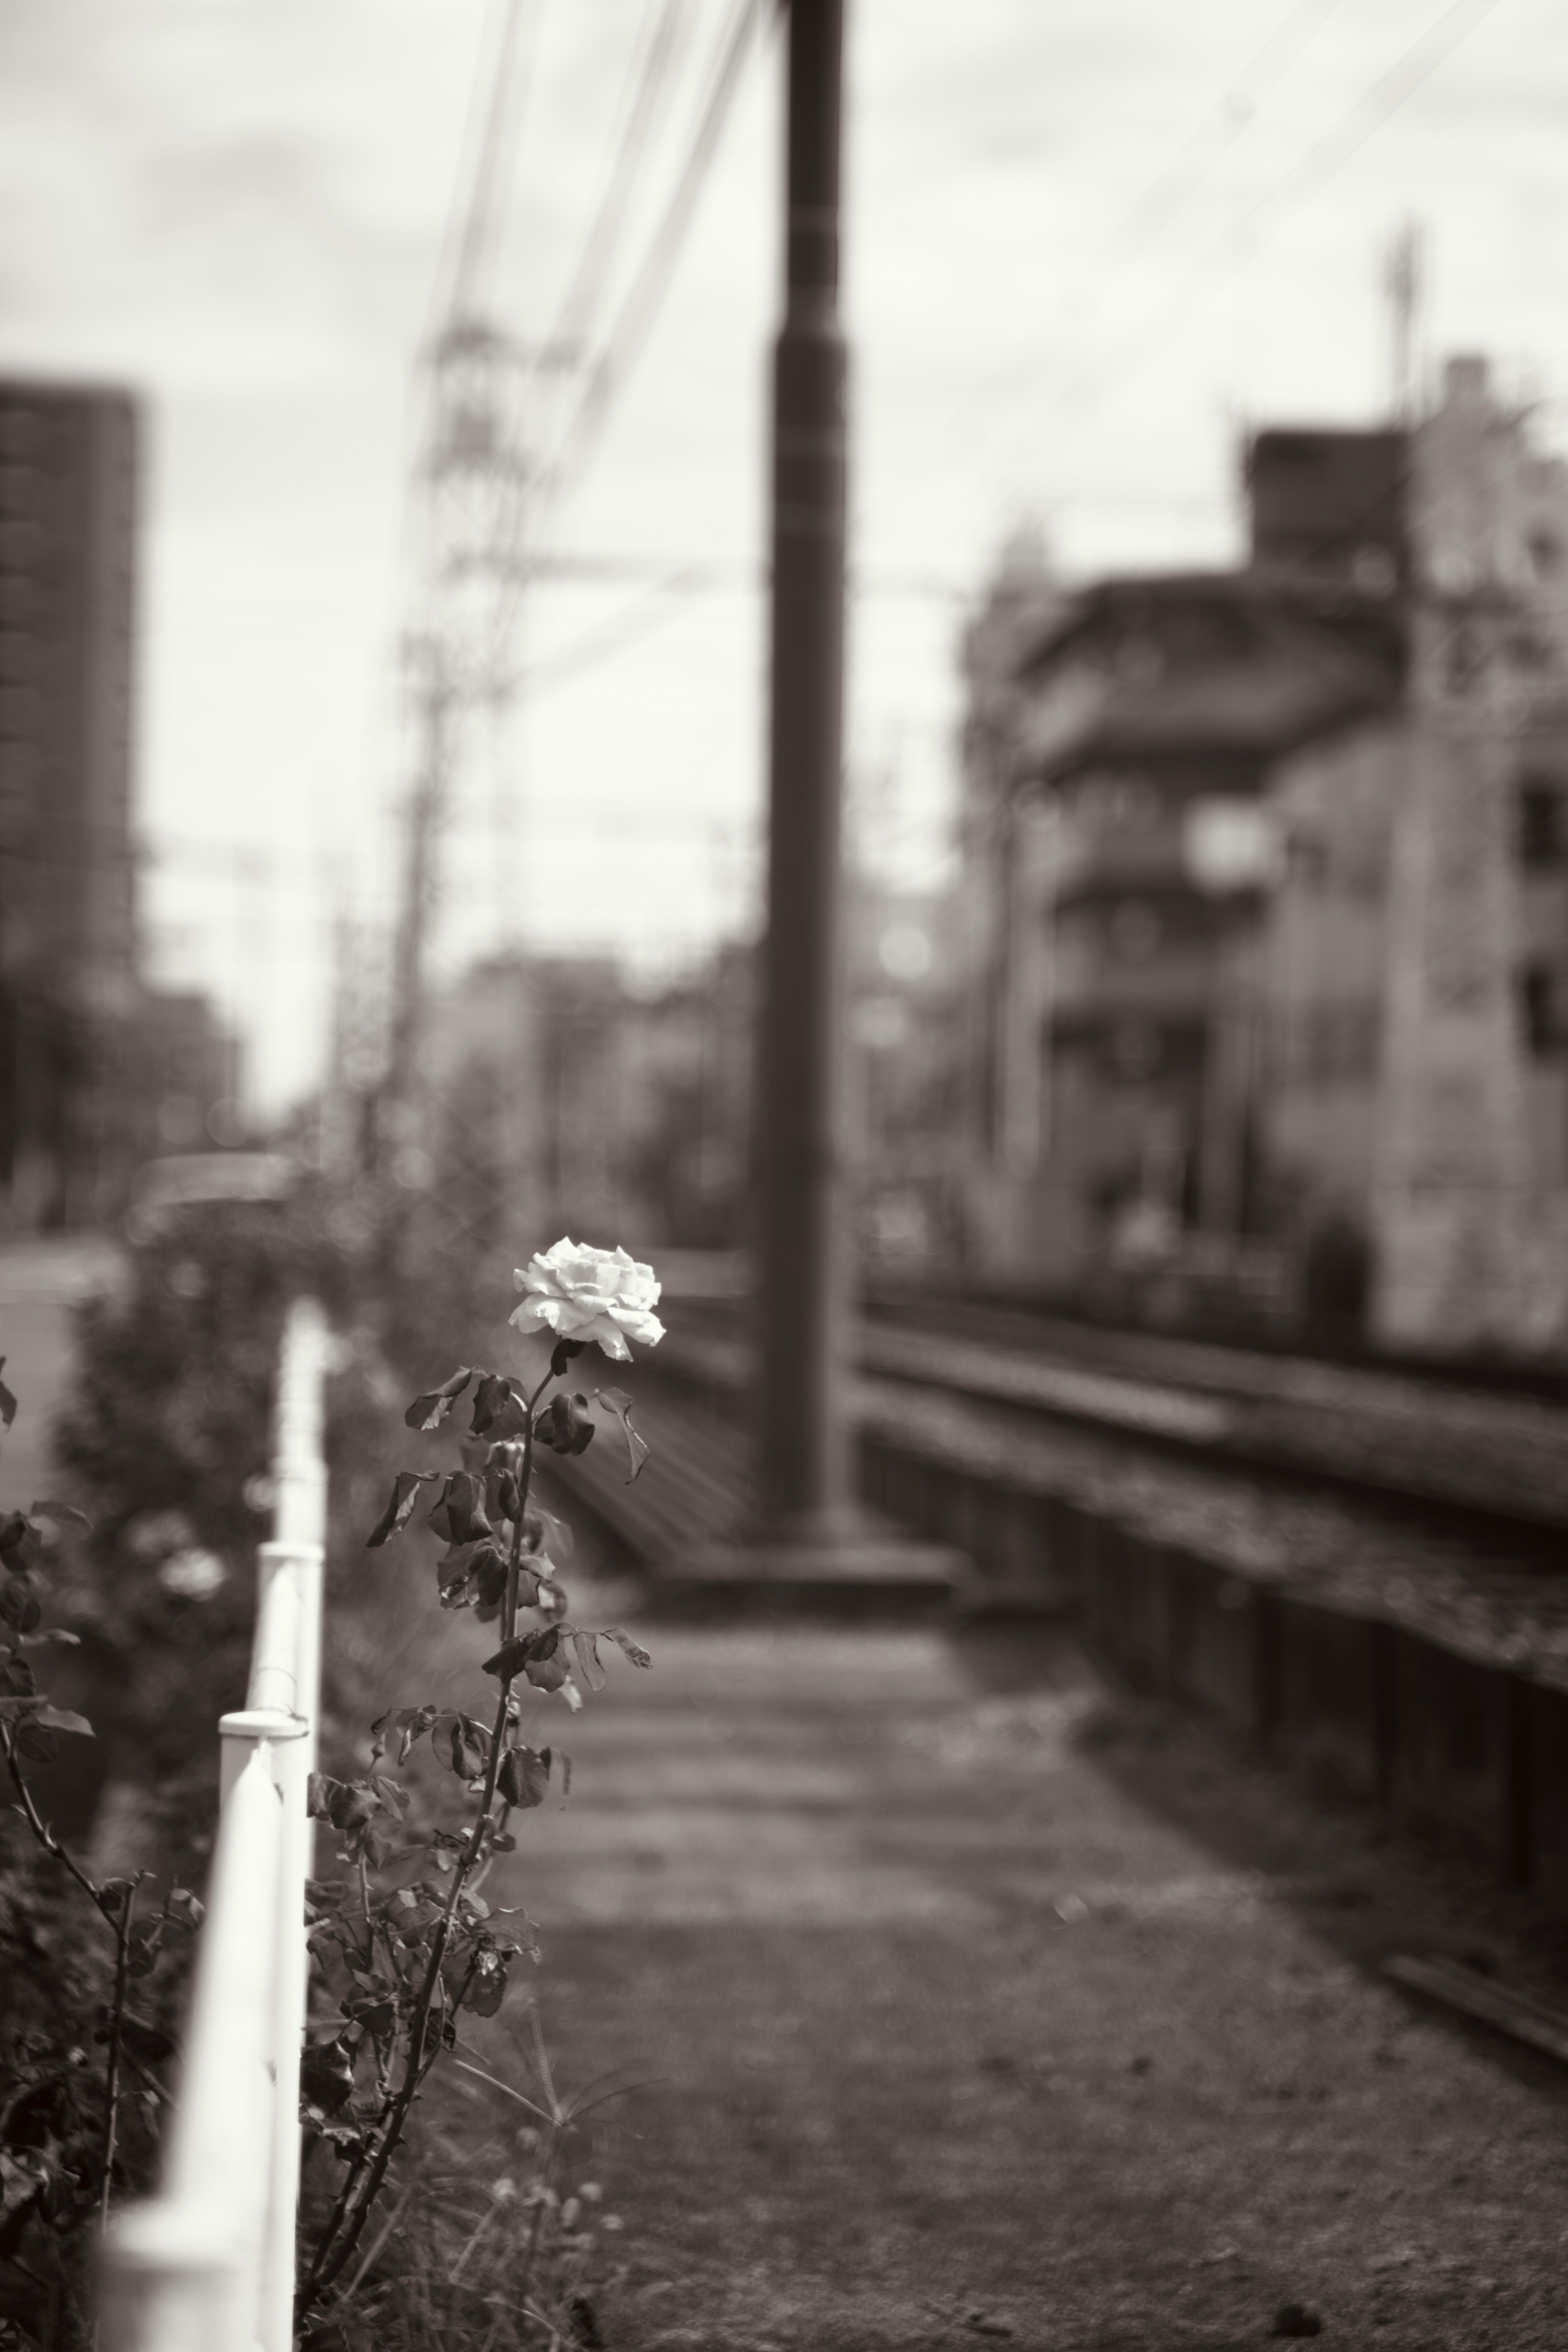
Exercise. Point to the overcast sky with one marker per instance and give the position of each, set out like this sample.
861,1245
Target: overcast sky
1084,243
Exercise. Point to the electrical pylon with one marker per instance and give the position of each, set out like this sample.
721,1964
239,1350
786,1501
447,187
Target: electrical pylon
474,485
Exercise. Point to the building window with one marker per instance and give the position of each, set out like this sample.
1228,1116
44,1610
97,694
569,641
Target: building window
1333,1044
1373,572
1545,554
1545,1027
1134,1051
1543,835
1136,931
1463,657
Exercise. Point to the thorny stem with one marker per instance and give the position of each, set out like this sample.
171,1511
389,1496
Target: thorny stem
344,2228
45,1835
380,2240
121,1921
116,2024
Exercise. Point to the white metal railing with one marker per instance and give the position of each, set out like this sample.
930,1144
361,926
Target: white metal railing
207,2265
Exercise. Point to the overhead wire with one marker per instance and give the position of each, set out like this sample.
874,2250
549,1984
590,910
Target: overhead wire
664,596
608,373
1176,180
617,355
1344,138
1328,153
1230,116
651,65
1350,132
1312,170
497,37
475,178
486,205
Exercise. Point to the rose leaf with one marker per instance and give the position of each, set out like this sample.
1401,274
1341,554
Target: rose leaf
429,1411
400,1507
617,1402
624,1643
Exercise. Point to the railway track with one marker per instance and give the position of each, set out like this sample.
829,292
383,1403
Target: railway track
1491,1465
1499,1463
1355,1569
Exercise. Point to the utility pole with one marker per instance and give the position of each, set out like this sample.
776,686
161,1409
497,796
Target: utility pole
807,1536
806,1275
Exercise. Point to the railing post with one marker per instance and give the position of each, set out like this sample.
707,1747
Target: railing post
168,2281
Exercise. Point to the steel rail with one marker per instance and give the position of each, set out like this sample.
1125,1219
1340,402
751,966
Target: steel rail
1487,1463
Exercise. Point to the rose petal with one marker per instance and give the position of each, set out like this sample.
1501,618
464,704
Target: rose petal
609,1339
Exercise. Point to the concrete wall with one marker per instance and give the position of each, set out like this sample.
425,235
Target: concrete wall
1449,1747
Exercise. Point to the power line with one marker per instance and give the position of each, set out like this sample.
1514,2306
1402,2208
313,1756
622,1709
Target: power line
597,646
486,206
1306,177
1164,195
1230,116
705,574
648,82
666,596
640,307
1346,137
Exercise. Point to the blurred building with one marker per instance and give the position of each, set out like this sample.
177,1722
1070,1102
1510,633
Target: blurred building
188,1075
88,1058
562,1095
906,1079
1001,946
68,976
1416,1093
1267,876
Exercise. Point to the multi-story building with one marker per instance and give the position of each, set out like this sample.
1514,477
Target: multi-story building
67,974
97,1071
1130,886
907,1077
1286,903
1414,1097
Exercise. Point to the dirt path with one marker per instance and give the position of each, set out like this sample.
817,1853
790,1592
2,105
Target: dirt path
968,2007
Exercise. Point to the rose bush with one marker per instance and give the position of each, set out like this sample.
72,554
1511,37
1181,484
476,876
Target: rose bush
405,1944
582,1293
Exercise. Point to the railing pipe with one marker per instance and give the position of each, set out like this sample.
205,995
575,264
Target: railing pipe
226,2072
290,1988
283,1576
208,2265
299,1506
185,2270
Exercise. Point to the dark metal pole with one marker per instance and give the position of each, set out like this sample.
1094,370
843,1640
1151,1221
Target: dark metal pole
805,1267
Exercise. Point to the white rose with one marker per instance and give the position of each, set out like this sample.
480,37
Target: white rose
581,1293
